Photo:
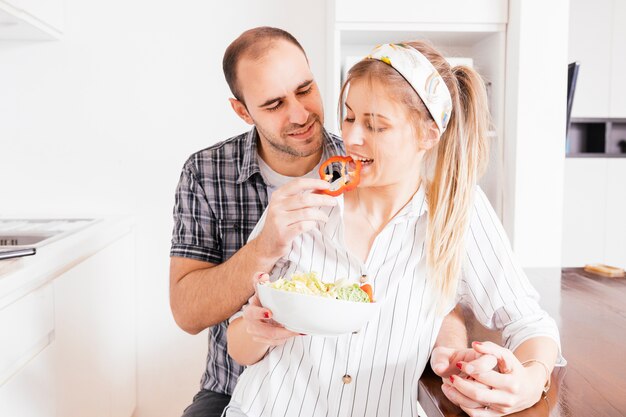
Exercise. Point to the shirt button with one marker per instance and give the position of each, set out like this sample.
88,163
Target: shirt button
236,227
346,379
363,279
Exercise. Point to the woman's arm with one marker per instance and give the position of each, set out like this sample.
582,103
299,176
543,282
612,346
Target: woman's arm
518,383
250,336
241,345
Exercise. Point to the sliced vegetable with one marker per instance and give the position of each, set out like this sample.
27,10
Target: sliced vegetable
367,288
350,174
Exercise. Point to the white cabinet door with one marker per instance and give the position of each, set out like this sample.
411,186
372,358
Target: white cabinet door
616,213
422,11
584,211
590,44
95,335
618,61
31,392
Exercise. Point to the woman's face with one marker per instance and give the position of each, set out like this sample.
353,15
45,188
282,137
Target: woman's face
378,131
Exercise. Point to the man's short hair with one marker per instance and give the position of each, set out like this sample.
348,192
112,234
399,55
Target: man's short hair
252,43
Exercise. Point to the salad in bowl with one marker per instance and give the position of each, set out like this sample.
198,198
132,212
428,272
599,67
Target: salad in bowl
305,304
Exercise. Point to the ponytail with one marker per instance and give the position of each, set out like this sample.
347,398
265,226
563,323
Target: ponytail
459,161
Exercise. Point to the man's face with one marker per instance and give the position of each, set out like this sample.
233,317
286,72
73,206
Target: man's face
283,100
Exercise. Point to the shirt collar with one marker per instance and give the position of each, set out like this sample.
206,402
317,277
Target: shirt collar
417,206
250,164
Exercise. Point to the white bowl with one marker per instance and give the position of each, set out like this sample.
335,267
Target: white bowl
315,315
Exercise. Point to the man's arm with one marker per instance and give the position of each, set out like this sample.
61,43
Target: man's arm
453,333
203,294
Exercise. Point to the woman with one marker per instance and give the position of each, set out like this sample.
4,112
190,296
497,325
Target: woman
425,237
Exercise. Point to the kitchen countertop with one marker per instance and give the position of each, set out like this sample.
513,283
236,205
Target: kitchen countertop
19,276
591,314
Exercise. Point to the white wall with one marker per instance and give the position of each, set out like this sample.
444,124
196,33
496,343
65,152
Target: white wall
534,146
101,122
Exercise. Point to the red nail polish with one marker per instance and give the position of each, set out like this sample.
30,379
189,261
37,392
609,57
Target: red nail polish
267,315
452,378
459,365
302,334
478,343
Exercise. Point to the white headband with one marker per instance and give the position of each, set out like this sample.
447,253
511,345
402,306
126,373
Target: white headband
422,76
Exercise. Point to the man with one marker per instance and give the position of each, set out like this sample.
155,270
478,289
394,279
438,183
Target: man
224,189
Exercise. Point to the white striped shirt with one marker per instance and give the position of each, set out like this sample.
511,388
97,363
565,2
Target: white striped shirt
385,359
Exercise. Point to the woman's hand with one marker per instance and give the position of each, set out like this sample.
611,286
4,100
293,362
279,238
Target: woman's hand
512,387
259,323
250,337
445,361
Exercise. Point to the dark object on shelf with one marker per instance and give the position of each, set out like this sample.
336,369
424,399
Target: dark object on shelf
572,76
597,137
15,253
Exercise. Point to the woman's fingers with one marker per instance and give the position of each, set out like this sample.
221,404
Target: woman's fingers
492,397
507,361
484,363
481,412
457,398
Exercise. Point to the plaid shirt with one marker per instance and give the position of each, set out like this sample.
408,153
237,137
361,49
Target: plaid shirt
219,199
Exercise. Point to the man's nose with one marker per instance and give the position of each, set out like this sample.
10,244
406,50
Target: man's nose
298,114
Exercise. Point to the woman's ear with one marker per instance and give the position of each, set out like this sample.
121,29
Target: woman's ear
431,137
241,110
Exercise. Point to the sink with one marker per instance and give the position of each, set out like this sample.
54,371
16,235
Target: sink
37,232
22,240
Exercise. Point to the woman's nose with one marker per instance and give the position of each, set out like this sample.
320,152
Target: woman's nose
353,135
298,114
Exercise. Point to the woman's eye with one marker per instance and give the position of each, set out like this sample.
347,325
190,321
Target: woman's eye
349,120
305,92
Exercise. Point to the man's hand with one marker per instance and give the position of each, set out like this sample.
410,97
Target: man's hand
293,210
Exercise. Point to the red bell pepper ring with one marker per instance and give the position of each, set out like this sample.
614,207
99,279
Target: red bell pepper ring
348,180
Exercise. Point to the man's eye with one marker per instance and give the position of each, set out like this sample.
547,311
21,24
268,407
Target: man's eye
280,103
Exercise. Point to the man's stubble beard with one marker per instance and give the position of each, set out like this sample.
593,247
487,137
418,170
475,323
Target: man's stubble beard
290,151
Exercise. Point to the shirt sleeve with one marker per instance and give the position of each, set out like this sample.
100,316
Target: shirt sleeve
196,233
496,288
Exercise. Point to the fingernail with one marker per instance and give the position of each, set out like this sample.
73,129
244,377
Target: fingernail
452,378
469,369
478,343
267,315
302,334
459,365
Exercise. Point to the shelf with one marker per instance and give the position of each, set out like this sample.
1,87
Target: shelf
596,137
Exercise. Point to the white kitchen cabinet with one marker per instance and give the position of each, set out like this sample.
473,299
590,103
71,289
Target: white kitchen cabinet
95,343
615,246
618,61
594,220
68,327
31,19
597,39
584,210
451,11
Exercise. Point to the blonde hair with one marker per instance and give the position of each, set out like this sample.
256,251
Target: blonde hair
452,168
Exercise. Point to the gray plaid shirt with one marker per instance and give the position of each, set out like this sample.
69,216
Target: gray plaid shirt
219,199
